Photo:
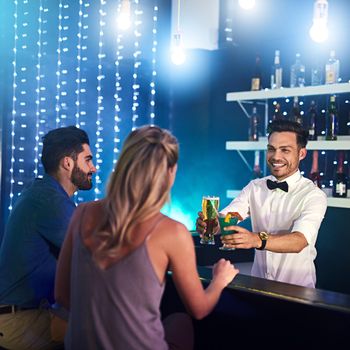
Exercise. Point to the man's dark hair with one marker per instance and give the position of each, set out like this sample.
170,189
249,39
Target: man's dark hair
60,143
282,125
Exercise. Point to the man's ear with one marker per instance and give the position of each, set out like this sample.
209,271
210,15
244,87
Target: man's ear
67,163
302,153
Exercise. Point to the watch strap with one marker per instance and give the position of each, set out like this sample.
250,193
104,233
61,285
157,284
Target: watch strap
263,244
263,236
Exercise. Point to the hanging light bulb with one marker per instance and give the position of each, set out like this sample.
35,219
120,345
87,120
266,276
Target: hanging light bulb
124,21
247,4
178,56
319,30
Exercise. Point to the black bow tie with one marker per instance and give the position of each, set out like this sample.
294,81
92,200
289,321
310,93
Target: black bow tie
271,185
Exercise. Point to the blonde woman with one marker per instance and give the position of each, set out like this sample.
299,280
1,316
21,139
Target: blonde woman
112,267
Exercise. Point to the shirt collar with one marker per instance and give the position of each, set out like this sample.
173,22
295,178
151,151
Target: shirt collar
291,180
53,182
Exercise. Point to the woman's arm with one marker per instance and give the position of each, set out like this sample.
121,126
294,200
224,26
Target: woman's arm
182,259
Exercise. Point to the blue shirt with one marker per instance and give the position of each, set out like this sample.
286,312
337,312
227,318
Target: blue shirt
33,236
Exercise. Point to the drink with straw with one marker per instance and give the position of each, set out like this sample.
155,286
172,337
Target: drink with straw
230,219
210,206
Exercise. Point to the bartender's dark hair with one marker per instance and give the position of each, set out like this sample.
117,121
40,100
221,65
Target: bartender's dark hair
282,125
59,143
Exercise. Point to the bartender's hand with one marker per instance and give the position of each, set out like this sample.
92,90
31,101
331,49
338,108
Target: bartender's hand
201,226
243,238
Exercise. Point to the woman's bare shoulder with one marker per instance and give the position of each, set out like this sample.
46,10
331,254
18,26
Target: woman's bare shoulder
172,229
90,214
170,223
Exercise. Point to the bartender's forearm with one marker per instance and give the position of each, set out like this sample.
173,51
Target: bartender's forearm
286,242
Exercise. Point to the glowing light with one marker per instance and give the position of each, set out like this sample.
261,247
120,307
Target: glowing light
137,64
14,110
247,4
154,72
65,82
38,100
78,68
319,30
100,77
178,56
124,21
117,98
61,67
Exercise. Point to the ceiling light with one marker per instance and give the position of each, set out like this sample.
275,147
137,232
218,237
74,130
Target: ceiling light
124,21
319,30
247,4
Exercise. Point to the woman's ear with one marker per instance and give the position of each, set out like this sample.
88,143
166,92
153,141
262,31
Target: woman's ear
172,170
172,173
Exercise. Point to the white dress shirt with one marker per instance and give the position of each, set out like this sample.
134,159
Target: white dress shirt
300,209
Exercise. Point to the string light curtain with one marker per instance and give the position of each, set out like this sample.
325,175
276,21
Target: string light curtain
137,63
72,65
117,93
154,65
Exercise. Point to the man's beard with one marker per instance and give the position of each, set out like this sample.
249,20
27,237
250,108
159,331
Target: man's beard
81,179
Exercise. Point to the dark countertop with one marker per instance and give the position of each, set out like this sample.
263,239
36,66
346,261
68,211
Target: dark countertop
258,313
284,291
208,255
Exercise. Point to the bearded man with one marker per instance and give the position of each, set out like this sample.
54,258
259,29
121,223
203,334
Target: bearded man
33,237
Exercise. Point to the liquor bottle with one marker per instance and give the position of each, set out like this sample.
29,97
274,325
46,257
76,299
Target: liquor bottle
257,173
276,74
332,69
257,76
254,125
316,74
277,114
313,122
340,181
295,112
315,176
297,73
332,120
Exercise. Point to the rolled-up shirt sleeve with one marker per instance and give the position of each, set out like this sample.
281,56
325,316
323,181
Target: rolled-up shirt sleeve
240,204
309,221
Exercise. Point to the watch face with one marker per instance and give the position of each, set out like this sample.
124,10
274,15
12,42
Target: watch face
263,236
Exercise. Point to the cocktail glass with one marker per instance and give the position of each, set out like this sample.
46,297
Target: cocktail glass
225,221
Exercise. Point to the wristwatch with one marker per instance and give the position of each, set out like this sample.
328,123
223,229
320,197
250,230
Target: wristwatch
264,236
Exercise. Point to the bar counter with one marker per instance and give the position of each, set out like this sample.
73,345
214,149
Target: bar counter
258,313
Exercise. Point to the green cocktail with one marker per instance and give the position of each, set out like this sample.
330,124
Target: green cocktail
225,221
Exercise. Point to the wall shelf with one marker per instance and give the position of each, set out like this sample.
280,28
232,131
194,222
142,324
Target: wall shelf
341,144
288,92
331,201
338,202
